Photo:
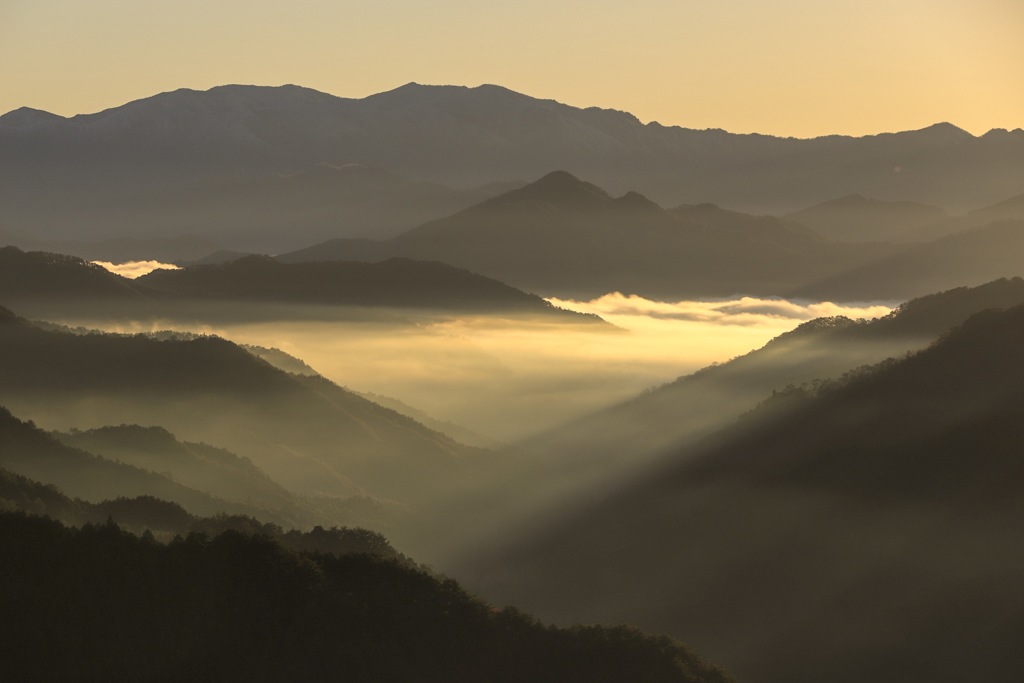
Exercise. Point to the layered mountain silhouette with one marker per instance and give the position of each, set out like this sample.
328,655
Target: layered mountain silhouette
842,504
561,235
306,433
48,563
863,529
38,276
199,466
183,248
30,452
1006,210
154,518
855,218
103,570
393,283
968,257
54,284
269,212
112,173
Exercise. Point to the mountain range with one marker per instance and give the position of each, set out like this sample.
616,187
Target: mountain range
563,236
134,170
567,237
52,285
842,504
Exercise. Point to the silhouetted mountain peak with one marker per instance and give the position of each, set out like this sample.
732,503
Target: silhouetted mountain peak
634,201
220,108
559,179
1003,135
558,189
414,93
944,132
27,116
410,88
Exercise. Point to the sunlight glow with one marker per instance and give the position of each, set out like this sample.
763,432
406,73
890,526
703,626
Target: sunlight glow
507,378
624,310
134,269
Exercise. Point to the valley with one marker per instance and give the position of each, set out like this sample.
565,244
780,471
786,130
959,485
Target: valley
451,383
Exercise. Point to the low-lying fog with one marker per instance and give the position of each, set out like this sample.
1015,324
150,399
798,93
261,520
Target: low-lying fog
135,269
506,378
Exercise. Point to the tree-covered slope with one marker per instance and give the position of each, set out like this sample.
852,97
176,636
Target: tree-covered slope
308,434
864,529
100,604
28,451
216,471
593,454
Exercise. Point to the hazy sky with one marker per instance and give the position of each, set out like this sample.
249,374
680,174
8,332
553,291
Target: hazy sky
786,67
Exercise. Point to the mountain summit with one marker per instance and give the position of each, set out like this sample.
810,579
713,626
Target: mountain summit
566,237
556,190
27,116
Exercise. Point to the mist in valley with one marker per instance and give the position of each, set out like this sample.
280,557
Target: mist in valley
507,377
871,506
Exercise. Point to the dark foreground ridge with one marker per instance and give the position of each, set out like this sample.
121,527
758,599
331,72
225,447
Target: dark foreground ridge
98,603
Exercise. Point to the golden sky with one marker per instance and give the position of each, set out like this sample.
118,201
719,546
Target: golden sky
784,67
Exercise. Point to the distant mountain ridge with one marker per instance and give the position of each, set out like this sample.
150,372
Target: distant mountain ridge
40,275
394,283
159,147
970,257
53,283
564,236
856,218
